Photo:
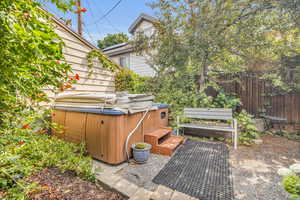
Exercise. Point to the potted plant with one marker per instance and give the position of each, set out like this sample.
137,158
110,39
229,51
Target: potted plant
141,152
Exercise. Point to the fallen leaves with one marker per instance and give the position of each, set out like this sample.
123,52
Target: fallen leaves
55,185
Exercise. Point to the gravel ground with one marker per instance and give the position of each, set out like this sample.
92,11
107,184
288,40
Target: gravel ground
254,168
142,174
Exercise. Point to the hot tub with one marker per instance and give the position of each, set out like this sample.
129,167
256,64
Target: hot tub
105,130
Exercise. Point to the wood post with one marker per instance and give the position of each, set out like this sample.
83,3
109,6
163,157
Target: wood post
79,18
235,133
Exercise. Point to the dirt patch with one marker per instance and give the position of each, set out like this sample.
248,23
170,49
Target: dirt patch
67,186
254,168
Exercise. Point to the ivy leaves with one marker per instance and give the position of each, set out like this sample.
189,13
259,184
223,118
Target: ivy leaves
95,56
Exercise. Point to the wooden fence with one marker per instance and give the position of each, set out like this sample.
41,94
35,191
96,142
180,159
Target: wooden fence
259,98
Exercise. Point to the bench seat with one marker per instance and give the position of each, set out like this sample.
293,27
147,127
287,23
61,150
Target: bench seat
224,114
208,127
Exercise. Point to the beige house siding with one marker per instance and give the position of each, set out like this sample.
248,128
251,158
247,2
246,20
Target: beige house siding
75,51
136,63
140,66
116,58
146,27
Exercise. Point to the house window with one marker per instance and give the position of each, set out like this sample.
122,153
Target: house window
124,61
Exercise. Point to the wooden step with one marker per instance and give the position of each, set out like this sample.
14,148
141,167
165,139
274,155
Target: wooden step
168,147
158,136
159,133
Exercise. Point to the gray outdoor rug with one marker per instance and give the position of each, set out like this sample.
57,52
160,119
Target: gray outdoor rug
199,169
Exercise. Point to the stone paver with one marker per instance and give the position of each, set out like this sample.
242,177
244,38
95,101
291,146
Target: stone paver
102,168
180,196
141,194
109,180
126,188
162,193
254,169
142,175
135,181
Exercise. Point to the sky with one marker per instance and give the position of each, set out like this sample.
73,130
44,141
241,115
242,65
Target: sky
95,26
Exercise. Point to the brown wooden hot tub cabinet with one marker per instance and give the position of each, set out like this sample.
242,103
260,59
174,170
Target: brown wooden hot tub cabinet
105,131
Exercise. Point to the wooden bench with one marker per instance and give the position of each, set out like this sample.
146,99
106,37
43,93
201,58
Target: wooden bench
211,114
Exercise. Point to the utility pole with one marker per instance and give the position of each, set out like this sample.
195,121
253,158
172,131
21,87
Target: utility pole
79,18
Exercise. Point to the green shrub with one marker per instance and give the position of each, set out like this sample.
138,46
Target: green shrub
287,134
127,80
223,100
32,62
182,94
292,185
247,129
23,153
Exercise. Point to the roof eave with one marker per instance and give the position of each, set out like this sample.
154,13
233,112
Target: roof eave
142,17
116,53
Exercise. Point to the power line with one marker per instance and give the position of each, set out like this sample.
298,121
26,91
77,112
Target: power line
109,23
92,14
52,11
107,13
56,14
106,19
89,35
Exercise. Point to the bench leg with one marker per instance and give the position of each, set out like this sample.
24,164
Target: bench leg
235,134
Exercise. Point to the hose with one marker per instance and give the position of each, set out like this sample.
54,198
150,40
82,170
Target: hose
132,132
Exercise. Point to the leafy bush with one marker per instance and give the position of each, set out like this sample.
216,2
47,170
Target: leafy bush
287,134
291,180
24,152
223,100
31,60
247,129
182,94
127,80
292,185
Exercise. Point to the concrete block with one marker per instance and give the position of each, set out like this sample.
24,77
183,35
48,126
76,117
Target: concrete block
193,198
141,194
107,179
126,188
162,193
179,196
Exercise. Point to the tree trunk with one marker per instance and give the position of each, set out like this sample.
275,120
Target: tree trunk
203,74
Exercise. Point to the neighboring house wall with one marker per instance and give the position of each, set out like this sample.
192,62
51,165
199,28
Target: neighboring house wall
146,27
140,66
137,63
134,62
75,52
117,59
